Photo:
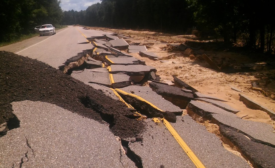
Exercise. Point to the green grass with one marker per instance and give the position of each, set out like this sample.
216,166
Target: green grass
21,38
27,36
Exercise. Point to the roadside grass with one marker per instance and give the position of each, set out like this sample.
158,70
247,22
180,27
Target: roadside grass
27,36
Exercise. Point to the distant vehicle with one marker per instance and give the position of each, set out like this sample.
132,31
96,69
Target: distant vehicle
46,29
37,28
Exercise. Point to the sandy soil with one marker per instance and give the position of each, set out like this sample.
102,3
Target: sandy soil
199,74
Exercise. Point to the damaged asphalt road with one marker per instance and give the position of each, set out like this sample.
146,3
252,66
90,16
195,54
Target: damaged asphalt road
54,119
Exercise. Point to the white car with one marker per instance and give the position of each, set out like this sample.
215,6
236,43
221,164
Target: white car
46,29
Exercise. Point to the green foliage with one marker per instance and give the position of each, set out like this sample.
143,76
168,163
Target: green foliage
20,17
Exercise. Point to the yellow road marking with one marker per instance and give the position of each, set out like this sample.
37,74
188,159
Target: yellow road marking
108,59
139,98
174,133
103,65
83,36
121,99
111,75
183,145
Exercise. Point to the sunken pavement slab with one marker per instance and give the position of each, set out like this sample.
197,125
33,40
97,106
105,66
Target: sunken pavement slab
200,95
136,48
261,155
131,69
121,60
101,76
260,132
173,94
219,104
254,105
206,146
150,55
54,137
148,102
119,43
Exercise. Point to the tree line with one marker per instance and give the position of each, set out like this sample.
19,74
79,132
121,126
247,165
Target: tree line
19,17
251,21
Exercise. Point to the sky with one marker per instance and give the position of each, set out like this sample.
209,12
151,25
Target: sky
76,5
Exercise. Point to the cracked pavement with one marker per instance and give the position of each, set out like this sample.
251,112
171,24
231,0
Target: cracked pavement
50,136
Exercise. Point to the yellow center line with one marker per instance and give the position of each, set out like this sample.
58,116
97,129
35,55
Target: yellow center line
83,35
174,133
108,59
183,145
111,75
139,98
121,99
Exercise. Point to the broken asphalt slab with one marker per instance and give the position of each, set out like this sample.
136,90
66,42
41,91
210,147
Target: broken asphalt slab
159,148
200,95
150,55
136,48
219,104
55,137
260,132
149,103
181,84
173,94
206,146
122,60
254,105
119,43
101,76
259,154
131,69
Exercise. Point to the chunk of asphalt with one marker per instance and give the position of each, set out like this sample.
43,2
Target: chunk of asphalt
91,63
219,104
183,84
254,105
74,59
119,43
100,45
50,135
121,60
200,95
258,154
98,76
159,148
136,48
208,152
258,132
131,69
152,104
92,38
101,51
150,55
173,94
207,110
111,37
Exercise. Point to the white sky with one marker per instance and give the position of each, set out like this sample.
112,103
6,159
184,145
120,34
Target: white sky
76,5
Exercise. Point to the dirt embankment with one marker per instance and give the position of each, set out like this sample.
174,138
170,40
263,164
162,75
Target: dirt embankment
23,78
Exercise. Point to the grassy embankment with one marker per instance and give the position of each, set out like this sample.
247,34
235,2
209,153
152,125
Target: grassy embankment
26,36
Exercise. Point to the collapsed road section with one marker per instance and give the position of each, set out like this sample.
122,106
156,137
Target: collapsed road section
113,88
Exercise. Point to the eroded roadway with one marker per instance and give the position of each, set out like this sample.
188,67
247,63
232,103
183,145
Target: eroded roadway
70,140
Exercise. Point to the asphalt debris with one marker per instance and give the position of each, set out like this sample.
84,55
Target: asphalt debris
22,78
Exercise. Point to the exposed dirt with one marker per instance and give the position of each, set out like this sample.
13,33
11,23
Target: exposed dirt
200,75
23,78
